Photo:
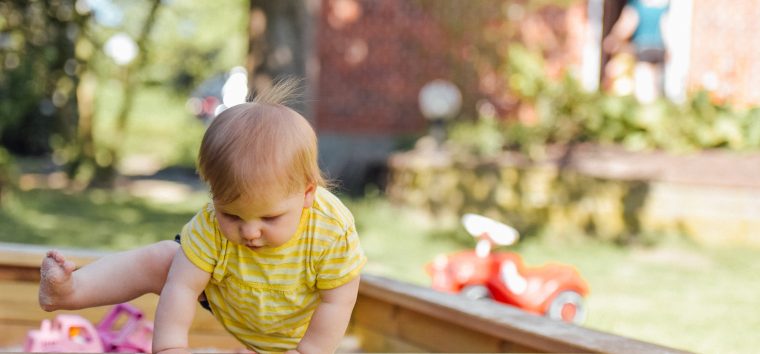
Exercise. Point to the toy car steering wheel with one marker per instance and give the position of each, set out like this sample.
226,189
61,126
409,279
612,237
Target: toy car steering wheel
501,234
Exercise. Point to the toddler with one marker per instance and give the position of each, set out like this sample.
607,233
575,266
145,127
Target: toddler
274,256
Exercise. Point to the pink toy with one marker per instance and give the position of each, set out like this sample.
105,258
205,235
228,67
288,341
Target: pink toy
72,333
65,334
134,335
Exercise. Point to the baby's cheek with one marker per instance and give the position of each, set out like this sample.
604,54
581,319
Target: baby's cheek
228,230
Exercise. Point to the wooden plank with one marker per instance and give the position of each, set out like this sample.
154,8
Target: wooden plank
214,341
19,301
509,347
22,255
389,314
19,277
19,273
14,333
372,341
21,313
507,323
377,315
443,336
22,262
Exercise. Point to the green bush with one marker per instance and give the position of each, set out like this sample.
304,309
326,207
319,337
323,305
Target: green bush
564,113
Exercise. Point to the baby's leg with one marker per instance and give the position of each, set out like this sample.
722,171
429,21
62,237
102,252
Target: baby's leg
110,280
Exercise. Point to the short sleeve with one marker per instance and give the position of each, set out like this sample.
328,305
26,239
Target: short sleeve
200,242
342,261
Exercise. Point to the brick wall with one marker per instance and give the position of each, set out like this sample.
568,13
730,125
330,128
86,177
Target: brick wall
375,55
374,58
726,49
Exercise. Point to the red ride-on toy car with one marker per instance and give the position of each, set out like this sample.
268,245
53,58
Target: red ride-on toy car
553,290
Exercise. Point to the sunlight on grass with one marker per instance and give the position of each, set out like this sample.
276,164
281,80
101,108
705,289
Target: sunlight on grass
398,241
95,219
677,294
158,126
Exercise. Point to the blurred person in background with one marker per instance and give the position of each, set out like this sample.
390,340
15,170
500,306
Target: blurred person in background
640,30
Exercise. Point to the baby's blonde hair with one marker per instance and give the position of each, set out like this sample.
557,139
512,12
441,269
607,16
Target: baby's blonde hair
260,149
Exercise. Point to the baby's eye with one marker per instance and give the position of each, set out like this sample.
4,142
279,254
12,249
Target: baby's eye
270,218
231,216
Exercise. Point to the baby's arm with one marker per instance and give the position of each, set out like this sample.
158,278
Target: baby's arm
176,306
330,320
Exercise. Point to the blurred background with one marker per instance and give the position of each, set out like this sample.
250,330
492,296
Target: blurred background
638,163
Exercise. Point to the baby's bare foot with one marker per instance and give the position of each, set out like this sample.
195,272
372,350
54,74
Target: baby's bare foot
56,283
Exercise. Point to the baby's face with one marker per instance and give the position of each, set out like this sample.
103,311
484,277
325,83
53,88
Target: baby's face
258,225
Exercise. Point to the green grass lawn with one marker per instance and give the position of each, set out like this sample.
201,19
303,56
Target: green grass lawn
95,219
159,125
676,294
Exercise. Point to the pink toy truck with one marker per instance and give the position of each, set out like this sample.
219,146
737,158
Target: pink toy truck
65,334
133,336
74,334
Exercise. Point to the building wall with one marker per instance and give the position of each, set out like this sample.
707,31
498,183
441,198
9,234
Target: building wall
374,57
725,50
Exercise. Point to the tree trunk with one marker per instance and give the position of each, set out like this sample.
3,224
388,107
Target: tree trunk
80,150
105,174
280,44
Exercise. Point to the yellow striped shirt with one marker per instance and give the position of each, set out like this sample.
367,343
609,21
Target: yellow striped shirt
266,298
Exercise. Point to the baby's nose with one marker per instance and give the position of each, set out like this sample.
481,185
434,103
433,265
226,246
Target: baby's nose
250,230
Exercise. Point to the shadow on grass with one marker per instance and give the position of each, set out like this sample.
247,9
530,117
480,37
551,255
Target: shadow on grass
95,219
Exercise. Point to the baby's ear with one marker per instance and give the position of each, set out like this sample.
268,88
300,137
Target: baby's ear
311,190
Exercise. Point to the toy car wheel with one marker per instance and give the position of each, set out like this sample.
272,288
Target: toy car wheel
475,292
568,306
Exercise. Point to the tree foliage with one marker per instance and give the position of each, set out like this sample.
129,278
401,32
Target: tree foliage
38,75
54,67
